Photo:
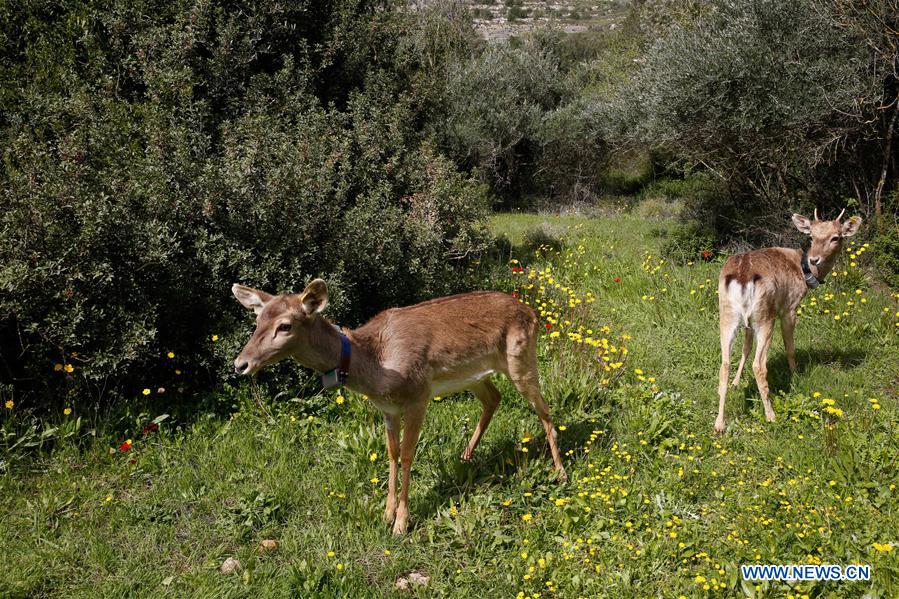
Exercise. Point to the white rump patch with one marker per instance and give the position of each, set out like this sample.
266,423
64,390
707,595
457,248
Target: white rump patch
742,297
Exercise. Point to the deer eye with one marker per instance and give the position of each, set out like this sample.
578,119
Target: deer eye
284,327
834,239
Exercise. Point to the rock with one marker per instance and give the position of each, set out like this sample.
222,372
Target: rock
268,545
411,580
230,565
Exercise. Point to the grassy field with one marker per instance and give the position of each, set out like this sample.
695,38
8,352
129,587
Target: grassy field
657,505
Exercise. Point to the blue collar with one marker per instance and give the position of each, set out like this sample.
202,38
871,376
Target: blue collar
341,373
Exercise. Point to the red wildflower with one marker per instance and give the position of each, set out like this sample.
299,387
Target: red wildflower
549,326
125,446
617,279
514,294
150,428
706,254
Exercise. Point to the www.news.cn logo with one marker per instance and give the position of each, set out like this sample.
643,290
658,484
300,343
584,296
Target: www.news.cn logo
805,572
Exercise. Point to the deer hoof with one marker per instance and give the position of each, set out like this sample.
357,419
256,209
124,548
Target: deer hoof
719,427
562,476
769,416
466,456
400,526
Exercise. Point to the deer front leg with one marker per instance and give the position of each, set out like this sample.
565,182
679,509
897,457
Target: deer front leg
414,416
787,326
765,332
391,427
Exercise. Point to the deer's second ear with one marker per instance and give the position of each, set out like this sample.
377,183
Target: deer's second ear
251,299
851,226
803,224
315,297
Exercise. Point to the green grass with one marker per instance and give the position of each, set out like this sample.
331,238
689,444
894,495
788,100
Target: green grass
656,506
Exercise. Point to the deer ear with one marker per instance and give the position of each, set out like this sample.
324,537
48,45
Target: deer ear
803,224
851,226
314,297
252,299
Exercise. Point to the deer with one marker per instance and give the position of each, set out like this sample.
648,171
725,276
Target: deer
757,287
404,357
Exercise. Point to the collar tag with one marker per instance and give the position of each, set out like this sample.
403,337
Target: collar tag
338,376
810,280
330,379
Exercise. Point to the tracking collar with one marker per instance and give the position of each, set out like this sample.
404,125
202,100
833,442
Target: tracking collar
810,279
339,375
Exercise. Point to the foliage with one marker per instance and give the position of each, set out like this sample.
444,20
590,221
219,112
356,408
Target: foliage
784,101
170,150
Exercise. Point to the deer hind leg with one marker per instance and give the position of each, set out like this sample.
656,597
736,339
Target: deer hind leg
764,331
747,349
728,324
413,418
391,426
522,359
490,397
787,326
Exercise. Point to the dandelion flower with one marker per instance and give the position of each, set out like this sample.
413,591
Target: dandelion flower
171,354
373,457
146,391
215,338
69,368
339,399
10,404
57,367
67,411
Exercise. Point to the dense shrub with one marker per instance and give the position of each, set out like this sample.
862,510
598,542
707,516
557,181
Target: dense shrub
512,115
156,153
688,243
789,103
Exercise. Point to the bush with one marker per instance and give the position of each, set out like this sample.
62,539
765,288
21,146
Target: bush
688,243
141,183
735,89
541,237
511,114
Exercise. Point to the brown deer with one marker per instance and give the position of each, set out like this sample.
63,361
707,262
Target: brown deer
402,358
757,287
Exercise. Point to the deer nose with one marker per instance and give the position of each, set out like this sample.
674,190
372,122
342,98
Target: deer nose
240,366
816,260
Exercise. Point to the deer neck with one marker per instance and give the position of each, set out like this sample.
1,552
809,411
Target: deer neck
322,353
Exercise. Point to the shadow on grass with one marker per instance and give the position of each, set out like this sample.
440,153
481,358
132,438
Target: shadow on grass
496,464
780,377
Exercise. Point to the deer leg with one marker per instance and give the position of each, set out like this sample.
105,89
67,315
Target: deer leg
764,331
523,373
728,324
393,453
413,417
747,348
490,398
787,326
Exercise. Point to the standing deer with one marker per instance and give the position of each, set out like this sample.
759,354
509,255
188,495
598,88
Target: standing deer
402,358
756,287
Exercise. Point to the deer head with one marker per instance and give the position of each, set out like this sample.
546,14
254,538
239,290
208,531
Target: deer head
827,238
283,324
